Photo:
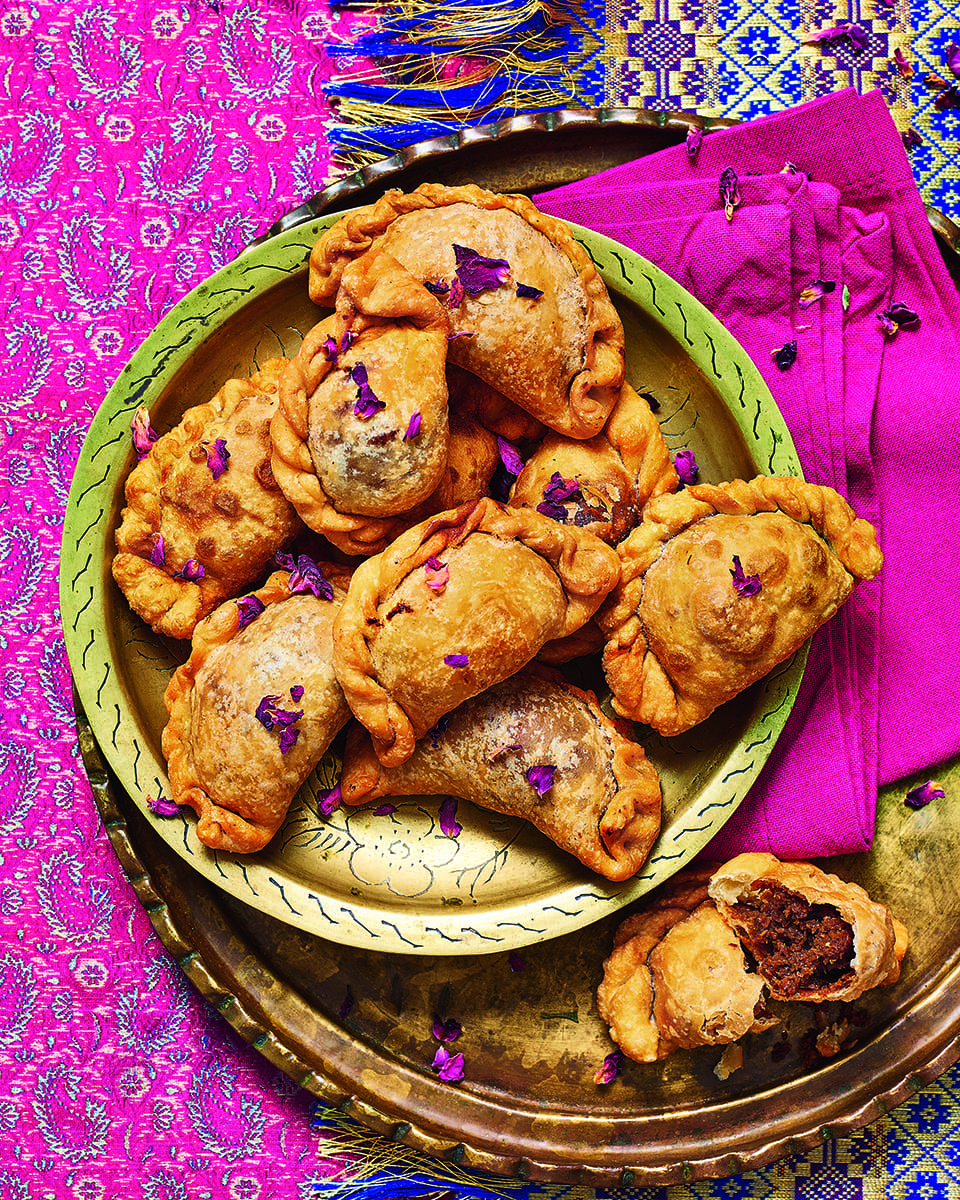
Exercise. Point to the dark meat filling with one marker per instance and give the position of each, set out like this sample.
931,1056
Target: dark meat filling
797,946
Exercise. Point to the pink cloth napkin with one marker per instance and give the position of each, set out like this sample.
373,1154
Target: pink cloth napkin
872,416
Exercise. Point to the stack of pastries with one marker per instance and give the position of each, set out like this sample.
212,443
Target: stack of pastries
469,341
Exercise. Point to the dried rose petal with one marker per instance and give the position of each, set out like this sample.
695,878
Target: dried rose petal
384,810
157,554
515,961
686,466
162,806
271,717
367,402
447,815
816,291
855,34
948,98
478,273
911,138
413,428
305,575
217,456
192,571
461,333
610,1068
729,191
556,512
456,660
436,287
446,1031
456,293
746,585
288,739
296,693
559,489
433,733
144,434
693,140
509,456
329,800
951,57
449,1066
897,317
541,777
250,608
920,796
527,291
331,351
437,574
786,356
905,68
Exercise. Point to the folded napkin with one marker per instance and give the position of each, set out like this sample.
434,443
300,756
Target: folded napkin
827,194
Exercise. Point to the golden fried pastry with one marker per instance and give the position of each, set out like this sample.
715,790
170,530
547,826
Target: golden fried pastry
254,708
469,395
535,747
600,484
720,583
362,427
204,515
811,935
529,313
453,606
677,977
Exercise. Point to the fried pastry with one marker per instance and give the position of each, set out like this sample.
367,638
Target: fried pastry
600,484
719,584
455,605
469,395
362,429
254,708
812,935
535,747
204,515
529,313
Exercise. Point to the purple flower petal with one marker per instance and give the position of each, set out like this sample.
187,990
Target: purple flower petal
843,31
952,57
693,140
384,810
610,1068
144,434
447,815
437,574
192,571
296,693
478,273
250,608
527,292
897,317
746,585
305,575
816,291
509,456
271,717
560,489
904,67
217,458
456,660
157,555
367,402
786,356
911,138
329,800
162,806
413,428
456,293
556,512
436,287
288,739
686,466
331,351
948,98
449,1066
446,1031
541,777
516,962
729,192
920,796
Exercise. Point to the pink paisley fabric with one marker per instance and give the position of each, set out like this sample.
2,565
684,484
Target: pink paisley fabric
141,146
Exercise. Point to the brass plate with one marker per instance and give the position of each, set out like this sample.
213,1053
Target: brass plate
528,1106
396,882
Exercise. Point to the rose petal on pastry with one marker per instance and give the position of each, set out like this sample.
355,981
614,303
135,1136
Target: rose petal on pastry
682,638
812,935
226,757
603,800
181,513
559,356
516,580
614,473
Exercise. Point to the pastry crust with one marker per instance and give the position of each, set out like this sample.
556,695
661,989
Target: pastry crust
221,759
345,464
681,638
559,356
603,805
616,472
232,525
516,580
742,892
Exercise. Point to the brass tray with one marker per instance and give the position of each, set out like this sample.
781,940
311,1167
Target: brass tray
353,1026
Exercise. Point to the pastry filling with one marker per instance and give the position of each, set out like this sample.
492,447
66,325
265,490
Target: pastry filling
797,946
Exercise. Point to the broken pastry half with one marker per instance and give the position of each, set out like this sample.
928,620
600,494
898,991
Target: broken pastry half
361,434
698,963
529,312
600,484
719,584
204,515
536,747
255,707
455,605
